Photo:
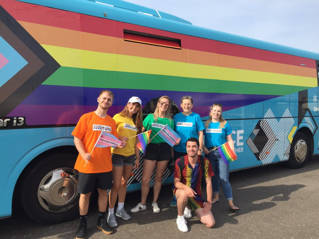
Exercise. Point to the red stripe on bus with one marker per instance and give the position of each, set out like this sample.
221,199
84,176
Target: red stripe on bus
91,24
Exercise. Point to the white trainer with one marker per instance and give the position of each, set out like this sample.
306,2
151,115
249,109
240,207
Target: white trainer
187,213
156,209
139,207
181,224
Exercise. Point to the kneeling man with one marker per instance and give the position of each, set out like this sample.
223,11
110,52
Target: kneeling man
190,172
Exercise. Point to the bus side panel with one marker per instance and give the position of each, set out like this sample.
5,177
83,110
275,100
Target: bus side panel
266,140
312,118
18,149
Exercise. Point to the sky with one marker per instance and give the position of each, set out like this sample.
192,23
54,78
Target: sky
293,23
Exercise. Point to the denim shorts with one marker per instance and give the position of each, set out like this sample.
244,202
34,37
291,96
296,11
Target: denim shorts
120,160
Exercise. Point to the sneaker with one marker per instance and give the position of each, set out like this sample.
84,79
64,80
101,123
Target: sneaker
187,213
181,224
156,209
82,230
123,214
103,226
139,207
111,220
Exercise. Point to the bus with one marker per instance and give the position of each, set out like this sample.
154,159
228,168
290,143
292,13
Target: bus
56,56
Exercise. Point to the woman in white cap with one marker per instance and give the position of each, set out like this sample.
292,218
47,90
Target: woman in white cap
128,124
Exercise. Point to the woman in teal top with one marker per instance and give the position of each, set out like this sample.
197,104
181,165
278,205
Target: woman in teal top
158,152
218,132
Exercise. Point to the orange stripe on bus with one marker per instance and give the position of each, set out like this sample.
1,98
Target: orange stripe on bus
93,42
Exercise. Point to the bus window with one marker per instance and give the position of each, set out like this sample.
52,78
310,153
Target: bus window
156,40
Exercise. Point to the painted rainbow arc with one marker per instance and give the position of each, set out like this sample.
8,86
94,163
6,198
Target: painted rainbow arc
103,58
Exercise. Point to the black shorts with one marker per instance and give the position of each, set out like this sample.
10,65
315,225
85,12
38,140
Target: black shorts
88,182
158,152
120,160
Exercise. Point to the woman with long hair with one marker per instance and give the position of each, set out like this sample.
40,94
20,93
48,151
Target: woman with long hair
218,132
128,125
158,153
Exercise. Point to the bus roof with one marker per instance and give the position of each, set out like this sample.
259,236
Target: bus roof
119,10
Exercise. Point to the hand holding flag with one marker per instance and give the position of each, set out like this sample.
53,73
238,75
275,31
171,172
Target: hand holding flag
143,140
169,135
226,152
107,140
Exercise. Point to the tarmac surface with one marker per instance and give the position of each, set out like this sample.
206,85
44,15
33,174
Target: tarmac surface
275,201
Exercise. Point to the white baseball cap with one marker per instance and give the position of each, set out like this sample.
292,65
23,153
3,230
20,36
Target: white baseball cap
135,99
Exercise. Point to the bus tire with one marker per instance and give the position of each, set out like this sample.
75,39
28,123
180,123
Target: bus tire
300,150
47,195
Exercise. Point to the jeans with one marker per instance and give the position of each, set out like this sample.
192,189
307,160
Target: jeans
221,174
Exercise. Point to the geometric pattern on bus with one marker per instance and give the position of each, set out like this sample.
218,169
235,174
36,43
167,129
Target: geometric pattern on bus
11,62
137,174
269,138
24,64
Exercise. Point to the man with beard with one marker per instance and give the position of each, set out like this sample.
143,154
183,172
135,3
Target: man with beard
190,172
94,164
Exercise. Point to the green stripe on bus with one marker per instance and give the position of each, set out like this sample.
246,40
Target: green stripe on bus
66,76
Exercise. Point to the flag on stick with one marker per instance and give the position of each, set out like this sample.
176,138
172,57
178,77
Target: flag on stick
227,154
169,135
143,140
107,140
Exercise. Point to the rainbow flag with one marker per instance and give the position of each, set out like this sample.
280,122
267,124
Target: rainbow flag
169,135
143,140
107,140
227,154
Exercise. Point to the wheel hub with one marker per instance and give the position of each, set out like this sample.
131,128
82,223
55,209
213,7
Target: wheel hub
57,190
300,150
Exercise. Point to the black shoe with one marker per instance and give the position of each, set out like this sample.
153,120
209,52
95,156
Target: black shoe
82,230
103,226
235,209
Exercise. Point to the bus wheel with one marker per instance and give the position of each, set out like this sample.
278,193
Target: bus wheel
300,150
48,191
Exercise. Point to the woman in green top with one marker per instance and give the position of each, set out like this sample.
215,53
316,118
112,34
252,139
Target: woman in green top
158,153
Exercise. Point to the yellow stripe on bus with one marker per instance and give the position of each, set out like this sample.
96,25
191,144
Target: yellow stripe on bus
291,134
115,62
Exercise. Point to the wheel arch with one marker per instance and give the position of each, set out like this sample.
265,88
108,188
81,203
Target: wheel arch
308,133
33,157
301,148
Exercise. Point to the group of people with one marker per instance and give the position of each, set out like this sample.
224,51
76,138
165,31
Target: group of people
196,161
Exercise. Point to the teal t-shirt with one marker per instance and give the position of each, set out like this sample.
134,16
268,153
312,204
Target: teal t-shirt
150,124
216,136
187,126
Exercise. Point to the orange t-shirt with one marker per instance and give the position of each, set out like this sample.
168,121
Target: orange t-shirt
88,130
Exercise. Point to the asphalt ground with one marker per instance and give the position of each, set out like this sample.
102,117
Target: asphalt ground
275,201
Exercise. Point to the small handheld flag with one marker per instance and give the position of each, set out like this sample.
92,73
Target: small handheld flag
227,154
169,135
107,140
143,140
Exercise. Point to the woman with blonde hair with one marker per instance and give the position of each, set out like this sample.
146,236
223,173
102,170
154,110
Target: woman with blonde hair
158,153
218,132
128,125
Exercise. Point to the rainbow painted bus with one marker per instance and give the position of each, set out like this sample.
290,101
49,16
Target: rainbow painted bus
55,56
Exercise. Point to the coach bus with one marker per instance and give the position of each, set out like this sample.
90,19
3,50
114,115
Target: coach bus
55,56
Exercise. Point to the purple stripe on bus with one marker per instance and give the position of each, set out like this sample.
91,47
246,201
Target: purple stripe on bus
68,95
55,114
